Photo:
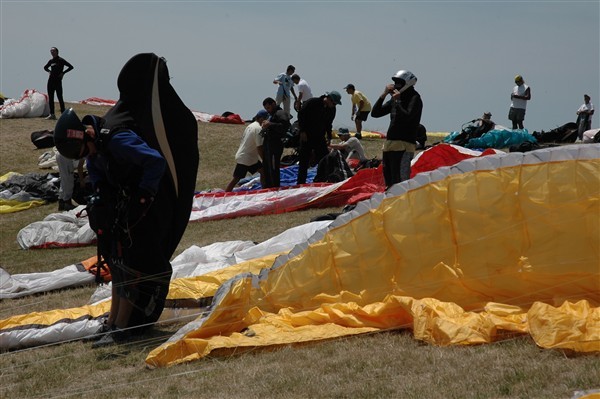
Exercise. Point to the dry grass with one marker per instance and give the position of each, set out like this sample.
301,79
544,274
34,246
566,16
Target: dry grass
390,364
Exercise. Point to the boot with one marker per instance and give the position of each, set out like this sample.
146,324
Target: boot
65,205
113,337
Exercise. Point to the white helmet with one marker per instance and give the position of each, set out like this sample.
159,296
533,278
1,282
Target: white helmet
404,79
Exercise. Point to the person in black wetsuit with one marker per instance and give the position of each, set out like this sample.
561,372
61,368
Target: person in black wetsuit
56,70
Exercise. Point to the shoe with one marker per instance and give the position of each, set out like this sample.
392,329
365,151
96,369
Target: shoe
113,337
358,136
100,332
65,205
51,117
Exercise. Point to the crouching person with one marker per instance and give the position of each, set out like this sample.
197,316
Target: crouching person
142,158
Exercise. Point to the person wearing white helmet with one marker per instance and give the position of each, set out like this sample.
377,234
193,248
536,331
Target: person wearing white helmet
404,107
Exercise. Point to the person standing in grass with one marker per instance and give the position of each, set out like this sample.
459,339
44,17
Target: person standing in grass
521,93
142,160
360,108
315,121
404,107
56,71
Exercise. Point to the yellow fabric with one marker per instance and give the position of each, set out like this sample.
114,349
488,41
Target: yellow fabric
51,317
10,206
365,135
206,285
460,261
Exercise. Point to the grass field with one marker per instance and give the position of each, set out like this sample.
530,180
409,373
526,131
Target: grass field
389,364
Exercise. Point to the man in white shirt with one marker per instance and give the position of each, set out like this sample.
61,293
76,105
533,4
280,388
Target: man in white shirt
304,91
250,152
521,93
584,116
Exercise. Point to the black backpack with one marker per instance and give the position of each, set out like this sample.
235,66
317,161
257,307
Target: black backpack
43,138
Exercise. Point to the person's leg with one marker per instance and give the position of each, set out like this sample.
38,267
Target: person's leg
303,159
276,172
321,150
50,89
268,164
405,165
232,184
286,104
59,96
392,166
239,172
66,171
358,123
521,118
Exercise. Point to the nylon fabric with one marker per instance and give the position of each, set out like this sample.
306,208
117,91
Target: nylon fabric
477,253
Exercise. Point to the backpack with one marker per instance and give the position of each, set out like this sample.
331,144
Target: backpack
43,138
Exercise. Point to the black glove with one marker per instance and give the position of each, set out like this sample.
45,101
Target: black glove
139,204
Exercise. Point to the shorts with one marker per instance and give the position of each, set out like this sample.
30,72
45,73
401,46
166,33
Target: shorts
362,115
240,170
516,114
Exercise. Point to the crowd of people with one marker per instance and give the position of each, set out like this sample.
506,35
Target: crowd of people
405,133
315,126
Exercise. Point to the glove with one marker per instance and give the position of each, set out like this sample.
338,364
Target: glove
139,204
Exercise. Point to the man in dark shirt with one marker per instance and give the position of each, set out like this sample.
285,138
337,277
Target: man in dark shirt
405,108
56,70
273,131
315,121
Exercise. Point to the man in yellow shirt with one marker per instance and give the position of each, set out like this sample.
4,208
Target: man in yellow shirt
361,107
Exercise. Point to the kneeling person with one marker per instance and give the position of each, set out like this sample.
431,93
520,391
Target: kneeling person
250,152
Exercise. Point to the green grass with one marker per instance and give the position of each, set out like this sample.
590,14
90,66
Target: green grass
390,364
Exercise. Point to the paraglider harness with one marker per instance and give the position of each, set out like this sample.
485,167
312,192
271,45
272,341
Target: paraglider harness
291,139
566,133
470,130
110,214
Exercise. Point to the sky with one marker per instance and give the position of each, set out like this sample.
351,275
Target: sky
224,55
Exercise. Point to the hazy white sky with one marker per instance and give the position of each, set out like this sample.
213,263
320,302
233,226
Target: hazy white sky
224,55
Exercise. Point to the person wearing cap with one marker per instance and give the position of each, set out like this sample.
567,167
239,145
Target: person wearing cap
285,86
360,108
404,107
274,130
315,123
304,91
521,93
350,146
250,152
56,70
